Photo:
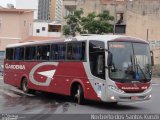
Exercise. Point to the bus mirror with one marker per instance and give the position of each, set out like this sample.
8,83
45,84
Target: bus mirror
152,58
109,61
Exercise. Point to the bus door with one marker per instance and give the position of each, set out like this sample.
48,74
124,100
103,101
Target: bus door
97,66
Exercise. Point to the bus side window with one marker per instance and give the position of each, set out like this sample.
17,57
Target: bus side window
62,51
43,52
69,51
54,52
79,51
9,53
30,53
76,51
19,53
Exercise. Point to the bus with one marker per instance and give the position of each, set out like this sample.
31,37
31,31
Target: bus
108,68
1,62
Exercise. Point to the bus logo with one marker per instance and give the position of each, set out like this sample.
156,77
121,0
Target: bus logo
15,67
48,74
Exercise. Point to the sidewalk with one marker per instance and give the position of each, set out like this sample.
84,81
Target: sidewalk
155,80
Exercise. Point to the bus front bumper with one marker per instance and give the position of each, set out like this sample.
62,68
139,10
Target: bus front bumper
119,96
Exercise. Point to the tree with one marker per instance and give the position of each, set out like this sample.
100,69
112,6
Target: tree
97,24
92,24
73,23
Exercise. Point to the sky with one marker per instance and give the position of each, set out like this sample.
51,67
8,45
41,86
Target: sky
3,3
22,4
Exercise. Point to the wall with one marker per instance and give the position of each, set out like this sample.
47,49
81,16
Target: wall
10,25
28,4
39,25
15,27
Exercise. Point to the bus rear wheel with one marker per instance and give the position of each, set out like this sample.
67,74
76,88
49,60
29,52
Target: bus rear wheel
24,85
79,95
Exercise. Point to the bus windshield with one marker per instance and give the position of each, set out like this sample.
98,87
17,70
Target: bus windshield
130,62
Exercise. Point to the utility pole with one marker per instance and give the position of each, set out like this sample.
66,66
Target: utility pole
115,16
147,34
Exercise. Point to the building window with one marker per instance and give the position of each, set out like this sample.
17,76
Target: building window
119,17
24,23
37,30
43,28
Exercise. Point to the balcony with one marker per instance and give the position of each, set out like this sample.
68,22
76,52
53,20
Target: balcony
54,34
54,30
69,2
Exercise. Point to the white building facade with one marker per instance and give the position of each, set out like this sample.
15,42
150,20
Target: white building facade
46,29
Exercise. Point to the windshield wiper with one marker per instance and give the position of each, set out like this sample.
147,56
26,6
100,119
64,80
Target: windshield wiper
138,66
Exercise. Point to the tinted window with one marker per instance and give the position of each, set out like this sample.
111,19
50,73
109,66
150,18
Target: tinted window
97,58
2,54
58,51
62,51
19,53
30,53
76,51
9,53
43,52
69,51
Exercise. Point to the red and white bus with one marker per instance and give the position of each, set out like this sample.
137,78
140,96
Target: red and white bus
109,68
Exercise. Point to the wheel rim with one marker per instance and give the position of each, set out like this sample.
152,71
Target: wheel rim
78,95
25,86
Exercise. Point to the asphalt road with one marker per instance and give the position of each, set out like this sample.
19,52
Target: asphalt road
14,101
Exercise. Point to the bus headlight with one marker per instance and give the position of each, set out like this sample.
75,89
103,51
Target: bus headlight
115,89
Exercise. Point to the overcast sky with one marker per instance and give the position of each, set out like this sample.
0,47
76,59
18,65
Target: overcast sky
3,3
21,4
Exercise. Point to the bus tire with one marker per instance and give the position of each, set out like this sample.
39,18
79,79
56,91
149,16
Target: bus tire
113,103
79,95
24,85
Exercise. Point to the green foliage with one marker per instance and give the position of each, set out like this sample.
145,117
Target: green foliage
66,30
73,23
97,24
92,24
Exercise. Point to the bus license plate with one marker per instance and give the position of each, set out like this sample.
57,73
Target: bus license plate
134,98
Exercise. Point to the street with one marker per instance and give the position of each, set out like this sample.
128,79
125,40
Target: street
13,100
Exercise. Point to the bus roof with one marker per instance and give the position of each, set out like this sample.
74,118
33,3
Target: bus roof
82,38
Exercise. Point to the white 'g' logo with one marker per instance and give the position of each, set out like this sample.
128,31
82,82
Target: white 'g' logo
49,74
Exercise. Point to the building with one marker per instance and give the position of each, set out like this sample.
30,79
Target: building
15,25
116,8
47,29
28,4
142,21
21,4
50,10
4,3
